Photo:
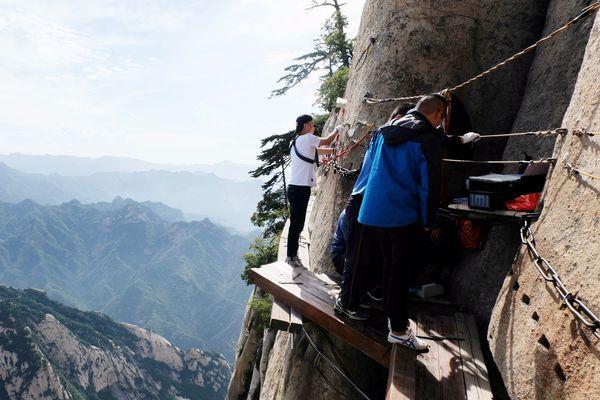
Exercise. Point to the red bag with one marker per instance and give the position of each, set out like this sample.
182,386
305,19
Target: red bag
471,234
525,202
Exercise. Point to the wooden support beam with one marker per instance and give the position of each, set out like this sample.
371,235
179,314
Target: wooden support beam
315,305
295,321
280,316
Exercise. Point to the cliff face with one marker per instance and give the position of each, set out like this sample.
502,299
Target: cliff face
424,46
49,351
540,348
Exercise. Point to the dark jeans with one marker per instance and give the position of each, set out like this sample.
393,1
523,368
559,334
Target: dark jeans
402,250
361,270
338,263
298,197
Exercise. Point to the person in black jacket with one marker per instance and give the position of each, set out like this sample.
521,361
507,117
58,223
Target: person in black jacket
401,200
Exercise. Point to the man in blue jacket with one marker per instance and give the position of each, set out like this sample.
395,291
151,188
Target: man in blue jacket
401,199
359,264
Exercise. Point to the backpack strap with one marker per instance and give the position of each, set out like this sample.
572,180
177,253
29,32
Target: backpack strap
303,158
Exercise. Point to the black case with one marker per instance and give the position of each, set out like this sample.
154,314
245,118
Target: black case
491,191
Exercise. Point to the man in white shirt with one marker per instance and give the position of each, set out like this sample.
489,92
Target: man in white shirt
304,153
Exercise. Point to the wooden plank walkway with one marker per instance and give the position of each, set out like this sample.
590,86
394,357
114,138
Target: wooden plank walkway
313,299
452,369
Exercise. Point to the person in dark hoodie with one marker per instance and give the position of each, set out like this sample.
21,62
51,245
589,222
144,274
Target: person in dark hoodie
401,199
353,247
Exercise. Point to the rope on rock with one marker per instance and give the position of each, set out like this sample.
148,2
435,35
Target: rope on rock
543,160
576,171
549,274
585,12
540,134
335,368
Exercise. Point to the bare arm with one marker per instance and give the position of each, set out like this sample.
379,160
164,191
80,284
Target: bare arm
329,139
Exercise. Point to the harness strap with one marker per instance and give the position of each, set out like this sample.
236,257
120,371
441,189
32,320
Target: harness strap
303,158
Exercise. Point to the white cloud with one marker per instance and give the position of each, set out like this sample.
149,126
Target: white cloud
164,80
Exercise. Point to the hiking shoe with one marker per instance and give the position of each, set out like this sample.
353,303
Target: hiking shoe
375,295
409,339
294,262
355,315
365,306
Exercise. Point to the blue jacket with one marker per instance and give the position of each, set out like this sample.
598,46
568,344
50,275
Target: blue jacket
404,180
363,177
340,237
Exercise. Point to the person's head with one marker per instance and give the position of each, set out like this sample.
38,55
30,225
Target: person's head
433,107
401,110
304,124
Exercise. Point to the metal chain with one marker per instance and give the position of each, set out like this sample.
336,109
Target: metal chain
586,11
345,172
549,274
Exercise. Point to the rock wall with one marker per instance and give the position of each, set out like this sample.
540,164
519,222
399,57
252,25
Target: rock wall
542,351
550,84
422,46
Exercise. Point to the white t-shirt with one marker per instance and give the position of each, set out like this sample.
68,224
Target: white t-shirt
303,173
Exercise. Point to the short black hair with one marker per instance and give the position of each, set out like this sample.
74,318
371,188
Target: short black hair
402,109
431,103
301,120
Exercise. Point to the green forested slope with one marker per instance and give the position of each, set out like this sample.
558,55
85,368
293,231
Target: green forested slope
180,279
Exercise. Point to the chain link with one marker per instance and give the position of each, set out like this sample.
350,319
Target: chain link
549,274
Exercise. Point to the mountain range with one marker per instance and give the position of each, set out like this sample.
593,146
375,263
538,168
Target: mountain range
83,166
197,194
180,279
52,352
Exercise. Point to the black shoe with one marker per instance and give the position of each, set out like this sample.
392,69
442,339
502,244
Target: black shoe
365,306
375,295
355,315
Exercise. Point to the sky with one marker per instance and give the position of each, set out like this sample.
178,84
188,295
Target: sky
170,81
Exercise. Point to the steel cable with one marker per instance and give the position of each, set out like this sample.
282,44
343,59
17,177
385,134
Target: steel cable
333,366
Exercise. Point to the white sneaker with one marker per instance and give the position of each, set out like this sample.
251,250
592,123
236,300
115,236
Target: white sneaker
409,339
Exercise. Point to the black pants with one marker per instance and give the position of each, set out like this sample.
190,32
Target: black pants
298,197
362,269
402,258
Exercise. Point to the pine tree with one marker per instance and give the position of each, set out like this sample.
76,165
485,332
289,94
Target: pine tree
332,53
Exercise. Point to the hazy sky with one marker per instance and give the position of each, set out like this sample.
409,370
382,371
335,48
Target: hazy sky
177,81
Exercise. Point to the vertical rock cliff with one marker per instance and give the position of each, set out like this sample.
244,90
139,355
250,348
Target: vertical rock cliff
422,46
540,348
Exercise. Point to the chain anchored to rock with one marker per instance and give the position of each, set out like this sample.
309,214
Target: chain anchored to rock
575,304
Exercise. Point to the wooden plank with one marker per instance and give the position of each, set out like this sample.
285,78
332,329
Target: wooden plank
427,371
451,377
466,354
482,375
295,321
280,316
401,375
313,309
